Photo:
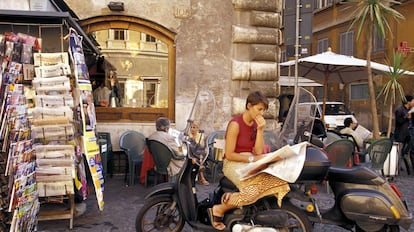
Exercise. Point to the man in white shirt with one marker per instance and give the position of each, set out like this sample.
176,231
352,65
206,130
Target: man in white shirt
349,129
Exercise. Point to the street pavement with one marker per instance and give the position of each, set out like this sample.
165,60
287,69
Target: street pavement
122,204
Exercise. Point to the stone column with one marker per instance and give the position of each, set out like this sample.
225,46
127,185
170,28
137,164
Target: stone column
256,40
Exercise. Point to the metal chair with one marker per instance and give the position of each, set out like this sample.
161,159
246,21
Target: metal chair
331,137
377,153
133,144
162,155
340,152
215,143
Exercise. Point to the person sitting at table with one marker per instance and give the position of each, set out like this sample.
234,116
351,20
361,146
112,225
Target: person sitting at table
161,134
198,138
349,129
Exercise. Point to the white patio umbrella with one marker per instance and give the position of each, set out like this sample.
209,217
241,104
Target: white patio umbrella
290,81
329,67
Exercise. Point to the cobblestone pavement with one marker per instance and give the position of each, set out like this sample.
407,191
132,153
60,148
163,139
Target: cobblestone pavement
122,204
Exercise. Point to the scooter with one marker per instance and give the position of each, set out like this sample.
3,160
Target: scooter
363,199
168,206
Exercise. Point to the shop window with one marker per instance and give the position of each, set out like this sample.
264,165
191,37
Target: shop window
139,71
144,93
359,91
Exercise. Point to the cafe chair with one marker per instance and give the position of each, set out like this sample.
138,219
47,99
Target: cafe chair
376,154
340,152
162,155
331,136
133,144
215,142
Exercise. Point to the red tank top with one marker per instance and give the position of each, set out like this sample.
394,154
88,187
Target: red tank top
246,138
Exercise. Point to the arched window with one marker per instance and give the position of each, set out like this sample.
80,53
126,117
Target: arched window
138,67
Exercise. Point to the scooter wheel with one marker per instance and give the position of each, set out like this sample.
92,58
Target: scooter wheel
157,215
298,221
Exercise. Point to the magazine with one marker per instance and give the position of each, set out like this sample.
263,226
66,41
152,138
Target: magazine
285,163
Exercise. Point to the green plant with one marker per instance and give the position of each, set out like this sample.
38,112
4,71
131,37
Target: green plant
370,15
393,88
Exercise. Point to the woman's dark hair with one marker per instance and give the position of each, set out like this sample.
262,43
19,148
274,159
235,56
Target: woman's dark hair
256,98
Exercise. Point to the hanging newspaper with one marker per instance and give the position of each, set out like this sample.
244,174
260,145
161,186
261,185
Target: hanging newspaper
86,112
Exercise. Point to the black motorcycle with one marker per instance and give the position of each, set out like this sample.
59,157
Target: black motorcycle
168,206
364,200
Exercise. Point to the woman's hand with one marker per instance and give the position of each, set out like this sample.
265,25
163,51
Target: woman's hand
261,122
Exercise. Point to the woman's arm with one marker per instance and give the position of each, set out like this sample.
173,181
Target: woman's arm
230,147
259,144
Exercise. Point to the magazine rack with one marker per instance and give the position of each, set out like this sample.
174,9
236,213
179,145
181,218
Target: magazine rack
53,131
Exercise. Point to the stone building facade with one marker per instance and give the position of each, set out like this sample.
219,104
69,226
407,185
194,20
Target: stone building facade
229,47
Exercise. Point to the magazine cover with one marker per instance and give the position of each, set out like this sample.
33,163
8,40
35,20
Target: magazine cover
86,109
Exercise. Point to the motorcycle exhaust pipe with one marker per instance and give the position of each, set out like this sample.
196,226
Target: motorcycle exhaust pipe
275,218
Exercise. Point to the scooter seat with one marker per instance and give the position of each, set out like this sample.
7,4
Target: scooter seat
357,175
227,185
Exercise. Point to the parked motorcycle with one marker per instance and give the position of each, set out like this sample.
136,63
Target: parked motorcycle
363,199
168,206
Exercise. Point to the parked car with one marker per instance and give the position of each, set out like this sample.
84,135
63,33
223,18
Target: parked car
335,114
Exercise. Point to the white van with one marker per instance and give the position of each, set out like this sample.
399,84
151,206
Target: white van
335,113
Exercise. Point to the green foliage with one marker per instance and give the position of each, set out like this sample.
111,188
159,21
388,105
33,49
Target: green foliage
373,15
374,12
393,87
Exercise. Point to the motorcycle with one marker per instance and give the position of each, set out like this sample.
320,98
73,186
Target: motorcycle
363,199
168,206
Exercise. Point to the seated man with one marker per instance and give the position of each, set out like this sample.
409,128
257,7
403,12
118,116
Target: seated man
349,129
162,126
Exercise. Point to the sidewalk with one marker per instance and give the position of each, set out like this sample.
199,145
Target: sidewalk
122,204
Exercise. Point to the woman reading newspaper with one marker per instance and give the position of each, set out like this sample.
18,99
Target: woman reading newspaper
244,145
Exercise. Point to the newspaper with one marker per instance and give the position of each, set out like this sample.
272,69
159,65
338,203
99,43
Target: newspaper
363,132
285,163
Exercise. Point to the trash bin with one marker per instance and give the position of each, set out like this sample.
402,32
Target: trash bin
105,148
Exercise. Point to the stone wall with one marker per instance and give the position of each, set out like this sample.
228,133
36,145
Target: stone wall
228,47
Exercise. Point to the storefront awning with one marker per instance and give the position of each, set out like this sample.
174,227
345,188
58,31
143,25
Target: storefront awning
48,17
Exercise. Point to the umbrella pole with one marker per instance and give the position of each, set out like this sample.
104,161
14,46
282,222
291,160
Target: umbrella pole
325,93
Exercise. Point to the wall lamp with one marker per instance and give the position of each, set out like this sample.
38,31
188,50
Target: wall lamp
116,6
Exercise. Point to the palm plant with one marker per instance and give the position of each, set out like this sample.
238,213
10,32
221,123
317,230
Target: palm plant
370,15
393,87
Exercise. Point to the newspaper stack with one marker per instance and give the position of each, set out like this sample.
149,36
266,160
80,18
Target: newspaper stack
52,125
